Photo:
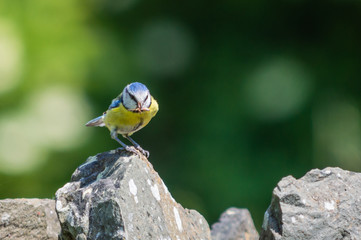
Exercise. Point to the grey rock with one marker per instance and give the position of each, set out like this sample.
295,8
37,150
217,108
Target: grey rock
118,195
28,219
323,204
235,224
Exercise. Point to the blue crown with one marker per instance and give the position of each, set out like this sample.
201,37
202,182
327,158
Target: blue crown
137,87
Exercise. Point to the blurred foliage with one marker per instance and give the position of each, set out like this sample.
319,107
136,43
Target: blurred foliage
249,92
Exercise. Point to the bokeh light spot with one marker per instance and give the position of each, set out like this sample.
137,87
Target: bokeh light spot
337,134
277,89
19,149
11,56
59,114
164,48
51,119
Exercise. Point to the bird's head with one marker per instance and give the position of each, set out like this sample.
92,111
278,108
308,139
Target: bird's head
136,97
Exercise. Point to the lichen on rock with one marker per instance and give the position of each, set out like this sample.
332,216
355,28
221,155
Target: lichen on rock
118,195
323,204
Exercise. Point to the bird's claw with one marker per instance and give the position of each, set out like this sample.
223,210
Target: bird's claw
119,149
134,150
131,150
144,152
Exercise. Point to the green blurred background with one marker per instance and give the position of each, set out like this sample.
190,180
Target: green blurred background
249,92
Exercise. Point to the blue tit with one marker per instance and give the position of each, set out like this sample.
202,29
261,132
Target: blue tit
129,112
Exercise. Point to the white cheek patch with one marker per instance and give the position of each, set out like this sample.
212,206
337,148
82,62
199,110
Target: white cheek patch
128,102
147,102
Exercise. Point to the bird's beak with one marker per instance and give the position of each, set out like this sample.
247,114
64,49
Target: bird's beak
140,108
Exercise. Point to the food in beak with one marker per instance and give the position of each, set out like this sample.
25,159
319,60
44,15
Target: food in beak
139,108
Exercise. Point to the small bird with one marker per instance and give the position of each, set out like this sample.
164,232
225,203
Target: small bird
129,112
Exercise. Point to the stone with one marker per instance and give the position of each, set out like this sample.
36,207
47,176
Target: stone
118,195
234,224
28,219
323,204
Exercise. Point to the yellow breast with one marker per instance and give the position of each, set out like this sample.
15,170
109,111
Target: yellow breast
128,122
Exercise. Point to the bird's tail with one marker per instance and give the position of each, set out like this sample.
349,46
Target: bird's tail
96,122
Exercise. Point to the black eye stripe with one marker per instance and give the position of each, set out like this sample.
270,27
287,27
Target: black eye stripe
145,98
131,95
121,98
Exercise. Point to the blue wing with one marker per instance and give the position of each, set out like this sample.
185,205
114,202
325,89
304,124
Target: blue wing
115,103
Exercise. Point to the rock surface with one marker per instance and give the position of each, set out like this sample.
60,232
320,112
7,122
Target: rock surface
118,195
28,219
235,224
324,204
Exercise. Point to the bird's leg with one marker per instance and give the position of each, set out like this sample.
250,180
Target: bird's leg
137,146
114,135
